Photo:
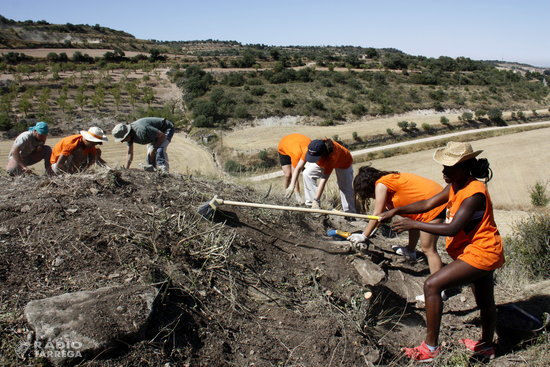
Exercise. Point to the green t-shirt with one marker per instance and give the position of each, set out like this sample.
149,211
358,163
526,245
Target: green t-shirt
145,129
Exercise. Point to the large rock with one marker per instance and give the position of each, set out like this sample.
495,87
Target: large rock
82,324
371,274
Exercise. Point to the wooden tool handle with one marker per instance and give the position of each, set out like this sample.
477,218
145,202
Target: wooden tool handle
298,209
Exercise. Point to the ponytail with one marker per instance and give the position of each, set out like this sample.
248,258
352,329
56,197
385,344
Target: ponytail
479,168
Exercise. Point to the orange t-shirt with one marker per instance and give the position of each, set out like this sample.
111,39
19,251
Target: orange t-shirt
339,158
407,188
295,146
481,247
68,145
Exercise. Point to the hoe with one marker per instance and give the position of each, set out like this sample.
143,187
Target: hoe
208,209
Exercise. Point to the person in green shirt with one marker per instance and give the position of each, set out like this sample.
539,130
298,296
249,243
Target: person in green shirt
156,132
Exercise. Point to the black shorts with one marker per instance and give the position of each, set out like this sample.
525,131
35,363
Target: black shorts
284,159
442,215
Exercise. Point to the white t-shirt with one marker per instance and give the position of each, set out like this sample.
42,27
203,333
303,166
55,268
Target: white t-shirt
27,143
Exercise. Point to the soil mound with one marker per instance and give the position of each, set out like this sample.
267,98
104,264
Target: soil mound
251,287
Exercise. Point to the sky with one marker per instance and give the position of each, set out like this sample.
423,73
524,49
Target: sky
505,30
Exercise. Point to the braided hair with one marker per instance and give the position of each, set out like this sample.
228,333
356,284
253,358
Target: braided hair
364,185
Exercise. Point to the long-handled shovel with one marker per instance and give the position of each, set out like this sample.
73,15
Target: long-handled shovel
208,210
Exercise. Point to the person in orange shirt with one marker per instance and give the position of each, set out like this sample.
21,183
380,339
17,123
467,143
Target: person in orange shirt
78,152
473,241
393,189
324,156
292,155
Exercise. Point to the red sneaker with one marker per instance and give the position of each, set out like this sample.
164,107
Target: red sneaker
421,353
479,347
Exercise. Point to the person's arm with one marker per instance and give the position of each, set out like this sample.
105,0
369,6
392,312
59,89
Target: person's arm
464,215
419,206
100,161
130,155
320,188
61,163
295,173
380,197
16,155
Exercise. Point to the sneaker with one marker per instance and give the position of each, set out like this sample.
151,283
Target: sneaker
403,251
420,297
421,353
479,348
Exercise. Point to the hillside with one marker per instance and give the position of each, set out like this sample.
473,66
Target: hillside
31,34
250,287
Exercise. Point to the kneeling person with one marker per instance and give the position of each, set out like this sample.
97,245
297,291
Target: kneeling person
29,148
76,153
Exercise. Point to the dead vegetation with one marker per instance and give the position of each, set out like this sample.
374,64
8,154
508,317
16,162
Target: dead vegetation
250,287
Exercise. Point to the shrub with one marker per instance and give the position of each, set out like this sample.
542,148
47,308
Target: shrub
538,195
317,105
427,127
241,112
403,125
287,103
258,91
467,116
390,132
358,109
529,245
444,120
232,166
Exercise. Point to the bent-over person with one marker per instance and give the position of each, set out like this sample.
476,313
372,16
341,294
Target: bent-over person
29,148
156,132
76,153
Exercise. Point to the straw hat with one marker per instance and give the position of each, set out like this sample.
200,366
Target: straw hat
455,152
94,134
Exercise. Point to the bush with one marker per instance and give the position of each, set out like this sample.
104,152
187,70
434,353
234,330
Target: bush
288,103
232,166
538,195
529,245
467,116
258,91
427,127
358,109
444,120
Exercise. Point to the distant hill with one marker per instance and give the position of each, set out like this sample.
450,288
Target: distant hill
34,34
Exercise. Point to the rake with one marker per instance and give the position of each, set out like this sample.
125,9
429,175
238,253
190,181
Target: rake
208,209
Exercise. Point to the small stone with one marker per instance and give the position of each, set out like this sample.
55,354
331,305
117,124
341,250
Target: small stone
58,261
25,208
462,299
329,293
368,295
113,276
251,352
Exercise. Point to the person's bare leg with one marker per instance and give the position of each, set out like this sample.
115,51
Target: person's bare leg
483,289
456,273
414,234
428,243
287,173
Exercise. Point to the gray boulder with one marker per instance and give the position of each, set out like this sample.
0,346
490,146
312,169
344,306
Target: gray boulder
371,274
78,325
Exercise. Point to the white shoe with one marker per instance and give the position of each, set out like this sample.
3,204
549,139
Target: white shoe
420,298
403,251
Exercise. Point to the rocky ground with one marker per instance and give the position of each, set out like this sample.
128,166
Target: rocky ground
251,287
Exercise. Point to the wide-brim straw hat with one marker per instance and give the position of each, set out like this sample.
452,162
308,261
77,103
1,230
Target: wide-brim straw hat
94,134
455,152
